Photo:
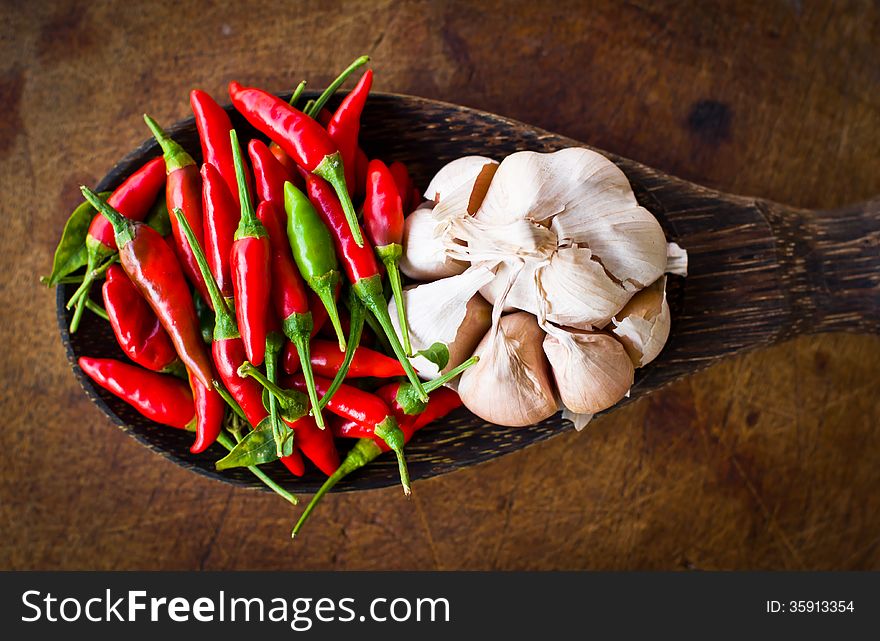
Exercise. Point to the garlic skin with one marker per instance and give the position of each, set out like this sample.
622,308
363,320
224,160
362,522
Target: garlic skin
454,174
642,326
511,384
424,252
448,311
579,421
676,260
592,369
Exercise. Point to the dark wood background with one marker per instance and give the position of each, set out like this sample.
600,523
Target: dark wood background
765,461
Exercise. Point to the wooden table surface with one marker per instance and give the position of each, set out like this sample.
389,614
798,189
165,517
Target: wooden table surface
764,461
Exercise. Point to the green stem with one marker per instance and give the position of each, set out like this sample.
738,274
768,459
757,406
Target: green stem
331,170
364,451
409,401
123,228
390,432
298,328
318,104
248,369
297,93
97,309
223,439
370,292
390,255
355,329
249,226
325,287
226,396
376,328
280,431
176,157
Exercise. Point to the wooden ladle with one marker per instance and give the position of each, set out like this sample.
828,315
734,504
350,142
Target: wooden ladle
759,273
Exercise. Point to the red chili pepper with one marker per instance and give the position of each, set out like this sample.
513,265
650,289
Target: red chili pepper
442,402
160,397
221,220
358,405
228,350
361,268
210,409
405,185
344,127
289,294
155,271
270,174
213,124
369,448
183,190
133,199
251,271
383,217
324,117
360,172
301,137
316,443
137,329
326,359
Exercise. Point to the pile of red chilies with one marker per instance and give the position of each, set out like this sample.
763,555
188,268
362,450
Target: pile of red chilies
202,289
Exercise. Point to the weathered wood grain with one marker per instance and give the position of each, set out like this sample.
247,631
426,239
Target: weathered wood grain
767,460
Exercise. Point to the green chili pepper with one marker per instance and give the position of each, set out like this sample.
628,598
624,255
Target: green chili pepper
313,252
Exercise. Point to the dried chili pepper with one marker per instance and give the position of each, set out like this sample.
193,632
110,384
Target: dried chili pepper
228,349
183,190
161,398
137,329
213,124
221,214
344,126
358,405
270,174
289,296
152,266
312,248
383,219
326,359
301,137
366,450
134,199
251,271
361,269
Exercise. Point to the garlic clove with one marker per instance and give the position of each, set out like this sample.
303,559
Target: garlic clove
676,260
511,384
571,288
592,370
424,250
642,326
463,200
447,311
454,174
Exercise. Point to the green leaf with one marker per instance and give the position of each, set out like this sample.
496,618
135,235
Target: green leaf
158,217
71,252
256,448
437,353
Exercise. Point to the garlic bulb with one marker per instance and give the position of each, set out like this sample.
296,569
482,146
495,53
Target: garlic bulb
592,369
643,324
424,252
447,311
511,384
572,218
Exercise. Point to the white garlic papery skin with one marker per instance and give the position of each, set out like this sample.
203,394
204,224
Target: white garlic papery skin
579,421
592,370
424,252
676,260
643,325
572,218
454,174
448,311
511,384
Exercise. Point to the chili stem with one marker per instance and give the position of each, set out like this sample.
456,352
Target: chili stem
297,93
280,434
355,329
397,288
301,342
315,108
223,439
97,309
374,326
